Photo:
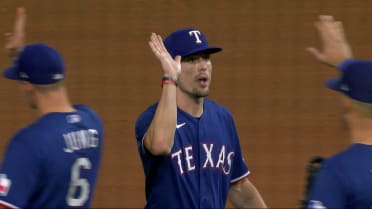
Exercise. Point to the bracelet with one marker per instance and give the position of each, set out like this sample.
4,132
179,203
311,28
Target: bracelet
169,80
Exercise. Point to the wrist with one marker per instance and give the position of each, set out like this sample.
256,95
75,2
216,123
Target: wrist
174,77
169,80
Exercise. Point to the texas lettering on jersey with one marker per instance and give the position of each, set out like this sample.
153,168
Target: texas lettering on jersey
222,162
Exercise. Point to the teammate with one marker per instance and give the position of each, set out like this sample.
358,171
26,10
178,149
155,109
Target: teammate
345,179
53,162
188,144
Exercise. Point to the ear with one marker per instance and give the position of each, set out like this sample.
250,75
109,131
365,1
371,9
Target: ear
346,104
27,86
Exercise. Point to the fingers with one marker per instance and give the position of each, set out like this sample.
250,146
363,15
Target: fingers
8,37
326,18
15,40
161,42
178,61
335,48
340,28
152,45
153,48
330,30
156,44
326,27
20,21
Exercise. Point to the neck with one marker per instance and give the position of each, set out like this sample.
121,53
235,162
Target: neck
361,130
53,101
190,104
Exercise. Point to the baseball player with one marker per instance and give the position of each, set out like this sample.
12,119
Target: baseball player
345,178
188,144
53,162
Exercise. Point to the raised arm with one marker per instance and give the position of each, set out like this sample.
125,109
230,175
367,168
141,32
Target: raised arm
15,40
13,43
160,134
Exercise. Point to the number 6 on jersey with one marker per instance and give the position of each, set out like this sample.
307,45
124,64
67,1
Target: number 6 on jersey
77,182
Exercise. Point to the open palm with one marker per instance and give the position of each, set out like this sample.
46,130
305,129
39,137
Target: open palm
171,67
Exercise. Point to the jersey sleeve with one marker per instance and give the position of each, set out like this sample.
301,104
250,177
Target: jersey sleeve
94,116
142,124
19,172
240,169
327,190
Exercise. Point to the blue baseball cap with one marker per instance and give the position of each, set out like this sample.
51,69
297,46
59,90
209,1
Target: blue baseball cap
37,64
187,42
355,80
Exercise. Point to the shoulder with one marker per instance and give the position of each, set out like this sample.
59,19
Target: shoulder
92,114
148,113
216,108
343,159
86,109
144,120
25,137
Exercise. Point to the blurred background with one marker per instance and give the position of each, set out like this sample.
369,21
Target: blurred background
264,76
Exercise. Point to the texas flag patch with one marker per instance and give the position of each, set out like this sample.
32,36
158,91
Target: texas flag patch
4,184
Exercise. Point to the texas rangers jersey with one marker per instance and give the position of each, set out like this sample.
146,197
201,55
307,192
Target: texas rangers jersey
53,163
344,180
205,159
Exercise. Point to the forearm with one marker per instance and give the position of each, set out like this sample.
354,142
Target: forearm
160,135
244,194
254,201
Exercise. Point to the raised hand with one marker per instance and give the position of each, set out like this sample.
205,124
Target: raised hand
16,39
335,48
171,67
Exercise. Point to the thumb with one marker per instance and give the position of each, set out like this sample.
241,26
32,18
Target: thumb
178,59
315,52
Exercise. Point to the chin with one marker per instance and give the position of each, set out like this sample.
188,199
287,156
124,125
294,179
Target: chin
32,105
202,94
344,123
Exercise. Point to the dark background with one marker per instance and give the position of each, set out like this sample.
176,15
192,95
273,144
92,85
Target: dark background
275,90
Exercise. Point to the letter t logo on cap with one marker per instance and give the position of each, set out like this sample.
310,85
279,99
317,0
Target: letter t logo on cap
195,33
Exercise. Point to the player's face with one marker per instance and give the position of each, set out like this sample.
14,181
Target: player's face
196,75
28,94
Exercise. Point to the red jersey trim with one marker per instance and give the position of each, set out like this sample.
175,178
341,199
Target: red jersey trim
7,205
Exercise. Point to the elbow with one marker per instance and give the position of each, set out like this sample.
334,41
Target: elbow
160,149
160,146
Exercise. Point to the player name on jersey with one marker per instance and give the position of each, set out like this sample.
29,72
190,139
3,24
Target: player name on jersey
215,157
83,139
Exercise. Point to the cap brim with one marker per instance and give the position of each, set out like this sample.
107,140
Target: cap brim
209,50
11,73
333,84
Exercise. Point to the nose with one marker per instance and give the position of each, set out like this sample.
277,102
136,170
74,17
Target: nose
202,64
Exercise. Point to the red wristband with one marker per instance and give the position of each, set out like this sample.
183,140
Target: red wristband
164,82
168,80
